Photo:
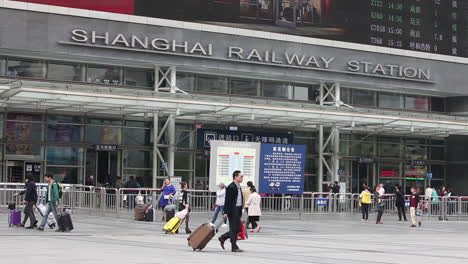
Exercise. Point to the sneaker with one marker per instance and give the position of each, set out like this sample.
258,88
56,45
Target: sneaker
251,231
40,228
420,224
35,224
412,226
259,228
29,227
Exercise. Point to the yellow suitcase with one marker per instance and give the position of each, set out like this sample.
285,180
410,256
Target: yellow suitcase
172,225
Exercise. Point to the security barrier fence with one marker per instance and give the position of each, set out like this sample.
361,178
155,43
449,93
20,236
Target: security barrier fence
120,203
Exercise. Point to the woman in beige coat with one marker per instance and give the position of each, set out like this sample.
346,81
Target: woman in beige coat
255,212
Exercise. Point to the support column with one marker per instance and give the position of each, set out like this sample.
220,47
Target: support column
320,165
336,151
155,148
171,148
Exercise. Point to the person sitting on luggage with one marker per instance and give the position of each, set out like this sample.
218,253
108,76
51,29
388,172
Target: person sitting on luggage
30,200
52,201
255,212
183,204
167,192
233,211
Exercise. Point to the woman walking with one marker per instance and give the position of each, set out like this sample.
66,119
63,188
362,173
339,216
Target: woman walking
379,204
400,202
183,204
414,203
167,192
365,199
254,203
220,198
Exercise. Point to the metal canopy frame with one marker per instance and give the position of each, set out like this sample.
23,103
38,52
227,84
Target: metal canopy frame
168,101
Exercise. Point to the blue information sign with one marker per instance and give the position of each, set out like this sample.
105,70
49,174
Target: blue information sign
319,202
282,169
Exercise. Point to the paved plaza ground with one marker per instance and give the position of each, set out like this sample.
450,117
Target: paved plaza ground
283,240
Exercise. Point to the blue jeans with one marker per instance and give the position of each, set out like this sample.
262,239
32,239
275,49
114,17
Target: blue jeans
219,209
51,208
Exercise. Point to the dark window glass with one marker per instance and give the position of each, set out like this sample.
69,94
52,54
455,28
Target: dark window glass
186,81
138,159
25,68
244,87
131,123
143,177
105,122
139,77
389,150
314,93
437,153
437,104
438,172
363,97
418,103
63,133
207,84
389,100
103,75
65,72
137,136
277,90
64,155
183,160
345,95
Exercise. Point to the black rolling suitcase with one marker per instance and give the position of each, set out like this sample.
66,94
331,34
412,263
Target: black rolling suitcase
64,222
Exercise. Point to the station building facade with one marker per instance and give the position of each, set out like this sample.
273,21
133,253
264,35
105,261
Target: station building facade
94,95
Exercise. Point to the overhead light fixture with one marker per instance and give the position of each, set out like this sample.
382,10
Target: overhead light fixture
412,129
353,124
177,112
252,116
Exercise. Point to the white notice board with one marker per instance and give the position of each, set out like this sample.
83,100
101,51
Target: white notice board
229,156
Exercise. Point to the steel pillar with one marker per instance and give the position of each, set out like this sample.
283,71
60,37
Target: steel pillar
171,147
155,148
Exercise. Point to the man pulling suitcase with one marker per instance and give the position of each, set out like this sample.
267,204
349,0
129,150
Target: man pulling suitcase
233,211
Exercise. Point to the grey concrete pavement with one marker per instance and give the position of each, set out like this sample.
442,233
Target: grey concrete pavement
282,240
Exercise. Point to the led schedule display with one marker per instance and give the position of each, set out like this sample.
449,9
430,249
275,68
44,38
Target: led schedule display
420,25
435,26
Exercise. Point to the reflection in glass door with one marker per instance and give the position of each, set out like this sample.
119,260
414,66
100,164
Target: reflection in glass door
362,174
106,169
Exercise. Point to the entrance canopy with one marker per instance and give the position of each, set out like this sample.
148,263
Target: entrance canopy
38,96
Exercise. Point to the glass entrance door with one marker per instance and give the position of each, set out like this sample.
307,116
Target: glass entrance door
15,171
106,169
362,174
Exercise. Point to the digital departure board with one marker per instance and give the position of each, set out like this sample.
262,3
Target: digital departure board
420,25
435,26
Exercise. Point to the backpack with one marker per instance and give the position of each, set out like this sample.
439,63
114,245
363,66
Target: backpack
60,189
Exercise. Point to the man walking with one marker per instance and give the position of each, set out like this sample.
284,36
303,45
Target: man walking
233,210
52,199
30,200
414,202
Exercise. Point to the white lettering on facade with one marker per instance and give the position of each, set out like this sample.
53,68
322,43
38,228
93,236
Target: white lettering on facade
254,55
